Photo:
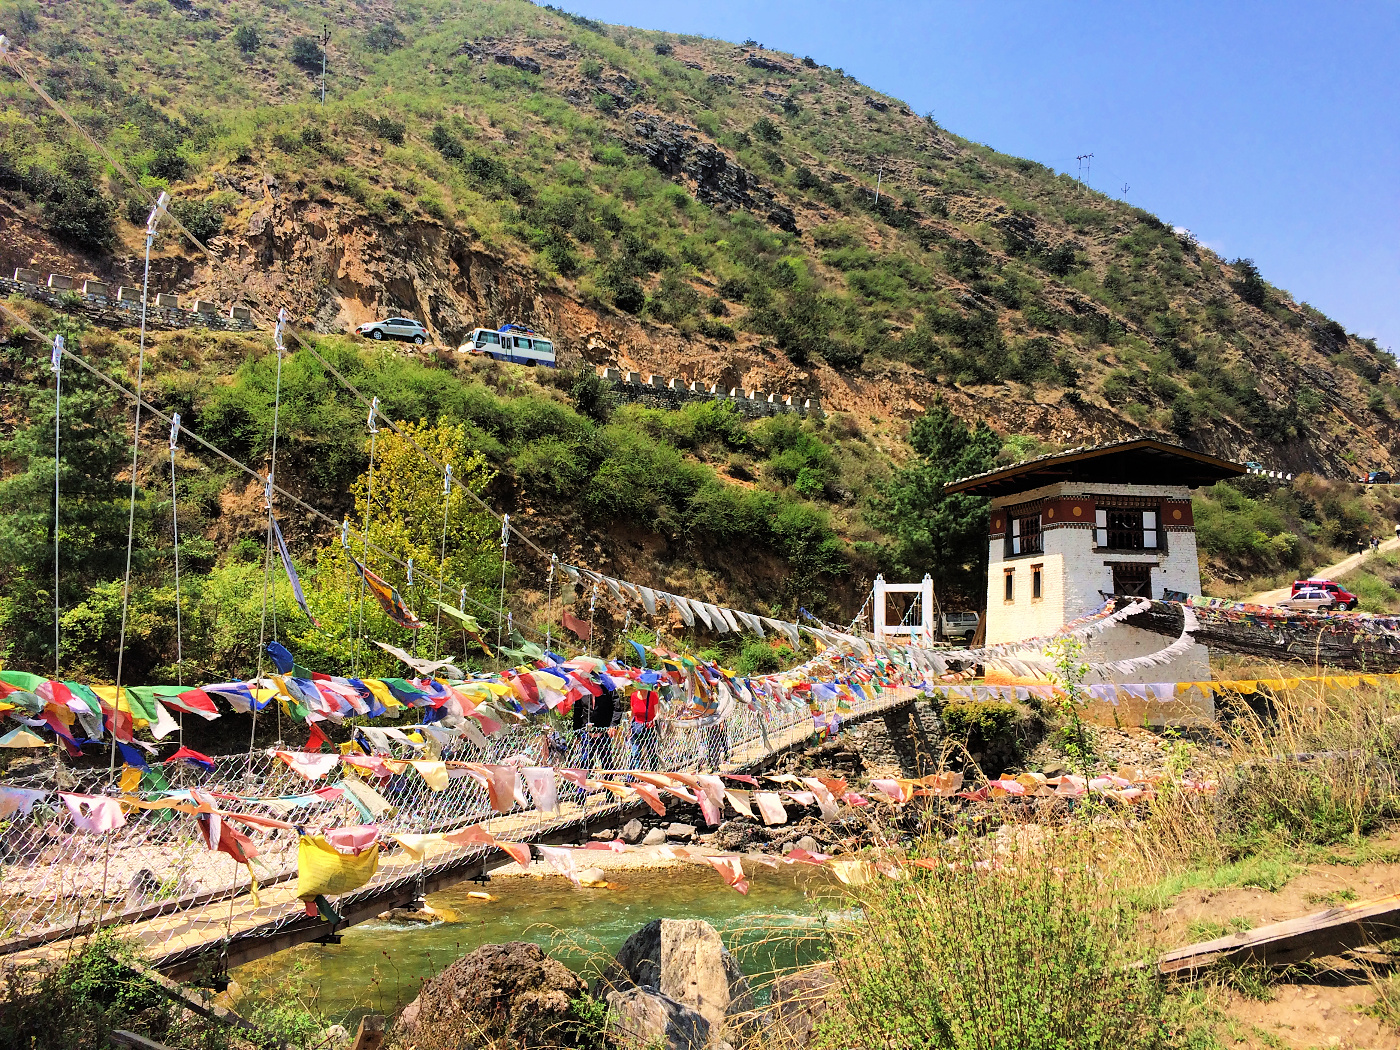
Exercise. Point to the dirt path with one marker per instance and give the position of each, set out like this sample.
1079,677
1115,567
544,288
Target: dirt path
1327,572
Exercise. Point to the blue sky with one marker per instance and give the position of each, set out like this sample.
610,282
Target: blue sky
1269,130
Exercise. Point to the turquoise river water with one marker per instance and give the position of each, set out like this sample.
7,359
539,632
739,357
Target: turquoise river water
379,966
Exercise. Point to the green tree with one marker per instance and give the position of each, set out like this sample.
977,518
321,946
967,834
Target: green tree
95,450
247,39
940,533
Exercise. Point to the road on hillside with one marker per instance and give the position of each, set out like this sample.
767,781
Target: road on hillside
1327,572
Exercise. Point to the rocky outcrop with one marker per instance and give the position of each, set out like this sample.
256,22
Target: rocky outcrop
684,960
719,182
642,1017
501,994
759,62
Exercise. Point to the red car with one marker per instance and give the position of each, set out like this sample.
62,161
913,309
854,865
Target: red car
1345,599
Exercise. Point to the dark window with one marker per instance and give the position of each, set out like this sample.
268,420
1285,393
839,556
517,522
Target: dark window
1010,577
1132,581
1025,536
1122,529
1035,580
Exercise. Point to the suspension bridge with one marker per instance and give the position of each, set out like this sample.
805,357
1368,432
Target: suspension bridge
192,910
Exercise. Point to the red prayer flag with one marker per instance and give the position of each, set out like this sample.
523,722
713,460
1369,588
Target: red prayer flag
573,623
317,739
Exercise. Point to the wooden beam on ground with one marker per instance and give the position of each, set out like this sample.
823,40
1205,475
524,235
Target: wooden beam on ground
193,1002
1328,932
372,1032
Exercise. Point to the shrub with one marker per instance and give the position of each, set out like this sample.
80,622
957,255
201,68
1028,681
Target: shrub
446,143
247,39
204,219
1249,285
384,38
766,131
306,53
1030,949
591,395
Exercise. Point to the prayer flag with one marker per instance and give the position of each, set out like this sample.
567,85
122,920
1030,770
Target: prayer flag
573,623
387,597
291,571
190,757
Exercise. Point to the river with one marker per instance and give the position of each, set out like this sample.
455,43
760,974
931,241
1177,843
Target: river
379,966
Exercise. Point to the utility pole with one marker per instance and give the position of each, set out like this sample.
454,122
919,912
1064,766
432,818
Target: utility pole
1126,188
325,42
879,177
1082,158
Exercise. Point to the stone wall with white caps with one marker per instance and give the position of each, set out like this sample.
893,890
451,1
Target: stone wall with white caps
1074,572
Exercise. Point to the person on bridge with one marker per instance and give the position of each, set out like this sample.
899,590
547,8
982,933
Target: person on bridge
644,704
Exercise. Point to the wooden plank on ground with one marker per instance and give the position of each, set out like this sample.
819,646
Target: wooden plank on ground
371,1033
1285,943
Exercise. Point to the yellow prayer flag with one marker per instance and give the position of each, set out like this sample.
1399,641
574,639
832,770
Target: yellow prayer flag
435,773
323,869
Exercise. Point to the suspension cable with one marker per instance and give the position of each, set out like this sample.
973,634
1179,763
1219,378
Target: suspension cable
56,365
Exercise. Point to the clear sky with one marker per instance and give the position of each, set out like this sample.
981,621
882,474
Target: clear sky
1270,130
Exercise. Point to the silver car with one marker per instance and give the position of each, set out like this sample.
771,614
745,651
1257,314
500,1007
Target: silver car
395,328
1310,599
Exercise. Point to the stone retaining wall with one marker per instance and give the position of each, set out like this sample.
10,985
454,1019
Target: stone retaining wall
655,391
120,307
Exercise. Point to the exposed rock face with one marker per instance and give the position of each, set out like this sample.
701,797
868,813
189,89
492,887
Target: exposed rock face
684,960
719,182
759,62
501,994
641,1017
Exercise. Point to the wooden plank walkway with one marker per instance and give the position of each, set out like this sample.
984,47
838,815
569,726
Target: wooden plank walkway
215,934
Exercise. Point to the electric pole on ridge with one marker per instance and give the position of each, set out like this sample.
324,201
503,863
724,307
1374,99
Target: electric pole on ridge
325,42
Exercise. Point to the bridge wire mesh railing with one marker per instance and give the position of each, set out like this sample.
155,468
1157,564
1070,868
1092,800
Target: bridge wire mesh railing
56,879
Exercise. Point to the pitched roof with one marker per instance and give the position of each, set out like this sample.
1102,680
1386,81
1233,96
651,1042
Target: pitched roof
1138,461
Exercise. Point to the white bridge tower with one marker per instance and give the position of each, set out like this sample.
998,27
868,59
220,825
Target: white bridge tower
920,634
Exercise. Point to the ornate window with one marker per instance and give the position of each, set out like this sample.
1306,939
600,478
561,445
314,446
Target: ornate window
1025,536
1126,529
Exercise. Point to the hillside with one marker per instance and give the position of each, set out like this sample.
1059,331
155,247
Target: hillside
662,203
667,203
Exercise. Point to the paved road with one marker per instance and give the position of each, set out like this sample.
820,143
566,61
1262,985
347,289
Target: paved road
1327,572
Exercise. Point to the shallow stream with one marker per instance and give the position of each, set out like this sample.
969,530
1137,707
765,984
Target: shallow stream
379,966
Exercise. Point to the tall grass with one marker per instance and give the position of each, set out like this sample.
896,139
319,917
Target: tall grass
1311,766
1027,947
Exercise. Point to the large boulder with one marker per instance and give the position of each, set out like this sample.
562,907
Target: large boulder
642,1017
685,960
800,1002
500,995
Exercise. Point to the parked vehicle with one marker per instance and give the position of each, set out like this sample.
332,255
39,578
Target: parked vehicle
1378,477
960,625
395,328
511,342
1343,599
1310,599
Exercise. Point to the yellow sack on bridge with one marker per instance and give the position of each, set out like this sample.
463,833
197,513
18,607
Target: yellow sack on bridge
323,869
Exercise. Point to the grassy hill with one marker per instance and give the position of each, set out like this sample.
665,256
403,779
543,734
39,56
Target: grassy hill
667,203
674,203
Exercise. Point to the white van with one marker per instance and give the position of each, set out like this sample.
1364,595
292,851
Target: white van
512,343
960,625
